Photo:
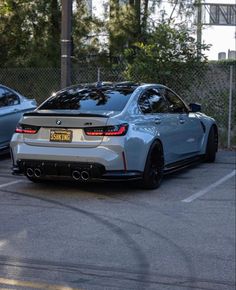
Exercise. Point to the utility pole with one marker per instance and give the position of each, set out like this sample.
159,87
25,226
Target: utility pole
66,43
199,27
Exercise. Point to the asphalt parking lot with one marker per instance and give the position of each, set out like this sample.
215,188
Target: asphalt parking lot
61,235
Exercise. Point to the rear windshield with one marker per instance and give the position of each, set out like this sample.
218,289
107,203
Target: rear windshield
89,100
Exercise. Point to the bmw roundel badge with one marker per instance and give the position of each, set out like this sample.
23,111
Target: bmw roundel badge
58,122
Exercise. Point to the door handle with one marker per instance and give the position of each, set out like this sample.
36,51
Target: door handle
12,112
182,121
15,110
157,121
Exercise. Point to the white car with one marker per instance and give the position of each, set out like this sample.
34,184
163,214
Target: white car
112,131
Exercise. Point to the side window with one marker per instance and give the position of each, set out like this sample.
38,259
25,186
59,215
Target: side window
176,105
2,97
8,98
152,102
144,104
158,103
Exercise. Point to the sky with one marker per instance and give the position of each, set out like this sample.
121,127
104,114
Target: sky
221,38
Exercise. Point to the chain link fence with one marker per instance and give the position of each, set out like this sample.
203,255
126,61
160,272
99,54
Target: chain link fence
209,85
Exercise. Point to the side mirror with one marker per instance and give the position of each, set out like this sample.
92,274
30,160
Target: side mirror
194,107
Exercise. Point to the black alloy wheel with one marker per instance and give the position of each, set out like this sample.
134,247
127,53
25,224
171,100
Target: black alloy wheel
154,167
212,145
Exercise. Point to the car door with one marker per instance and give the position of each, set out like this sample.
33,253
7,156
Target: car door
9,114
159,122
189,130
153,106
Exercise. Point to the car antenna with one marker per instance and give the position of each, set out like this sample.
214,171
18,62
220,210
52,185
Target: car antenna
99,74
99,83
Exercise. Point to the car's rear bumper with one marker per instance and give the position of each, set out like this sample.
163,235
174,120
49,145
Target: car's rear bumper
75,170
111,157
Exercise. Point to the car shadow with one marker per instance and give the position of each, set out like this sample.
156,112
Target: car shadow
5,155
106,188
98,187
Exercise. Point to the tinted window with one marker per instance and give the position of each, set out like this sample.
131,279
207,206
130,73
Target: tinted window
144,104
89,99
8,98
152,102
176,105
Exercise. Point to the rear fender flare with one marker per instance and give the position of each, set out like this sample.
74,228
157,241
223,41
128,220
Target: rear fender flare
152,144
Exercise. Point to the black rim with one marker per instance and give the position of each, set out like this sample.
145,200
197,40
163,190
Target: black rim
156,165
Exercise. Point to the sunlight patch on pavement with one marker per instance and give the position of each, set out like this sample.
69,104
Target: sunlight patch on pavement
35,285
3,243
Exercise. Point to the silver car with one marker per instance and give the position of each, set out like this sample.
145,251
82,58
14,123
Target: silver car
112,131
12,107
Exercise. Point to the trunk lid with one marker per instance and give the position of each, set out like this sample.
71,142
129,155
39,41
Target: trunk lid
63,129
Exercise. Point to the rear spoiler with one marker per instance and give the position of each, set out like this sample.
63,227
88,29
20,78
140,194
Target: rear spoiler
36,113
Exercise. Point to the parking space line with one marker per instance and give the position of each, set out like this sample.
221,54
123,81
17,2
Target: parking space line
35,285
210,187
10,183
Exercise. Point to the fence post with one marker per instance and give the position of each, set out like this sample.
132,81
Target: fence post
98,74
230,106
66,16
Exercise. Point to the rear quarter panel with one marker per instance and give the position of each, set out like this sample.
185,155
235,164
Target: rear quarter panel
136,143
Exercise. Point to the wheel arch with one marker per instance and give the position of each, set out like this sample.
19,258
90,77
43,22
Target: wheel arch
212,144
154,166
215,128
156,140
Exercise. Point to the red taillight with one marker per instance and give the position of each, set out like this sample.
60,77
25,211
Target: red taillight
25,129
118,130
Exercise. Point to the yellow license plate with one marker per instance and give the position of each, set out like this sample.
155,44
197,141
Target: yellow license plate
61,135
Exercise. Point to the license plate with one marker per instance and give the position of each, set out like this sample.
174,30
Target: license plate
61,135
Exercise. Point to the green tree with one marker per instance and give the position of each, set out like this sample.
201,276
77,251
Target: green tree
85,35
30,33
121,28
132,22
168,49
127,24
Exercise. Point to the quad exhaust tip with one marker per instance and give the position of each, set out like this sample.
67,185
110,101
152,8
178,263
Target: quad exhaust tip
83,175
76,175
30,172
37,172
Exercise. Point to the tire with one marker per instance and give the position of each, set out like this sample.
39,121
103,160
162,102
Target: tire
212,145
154,167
